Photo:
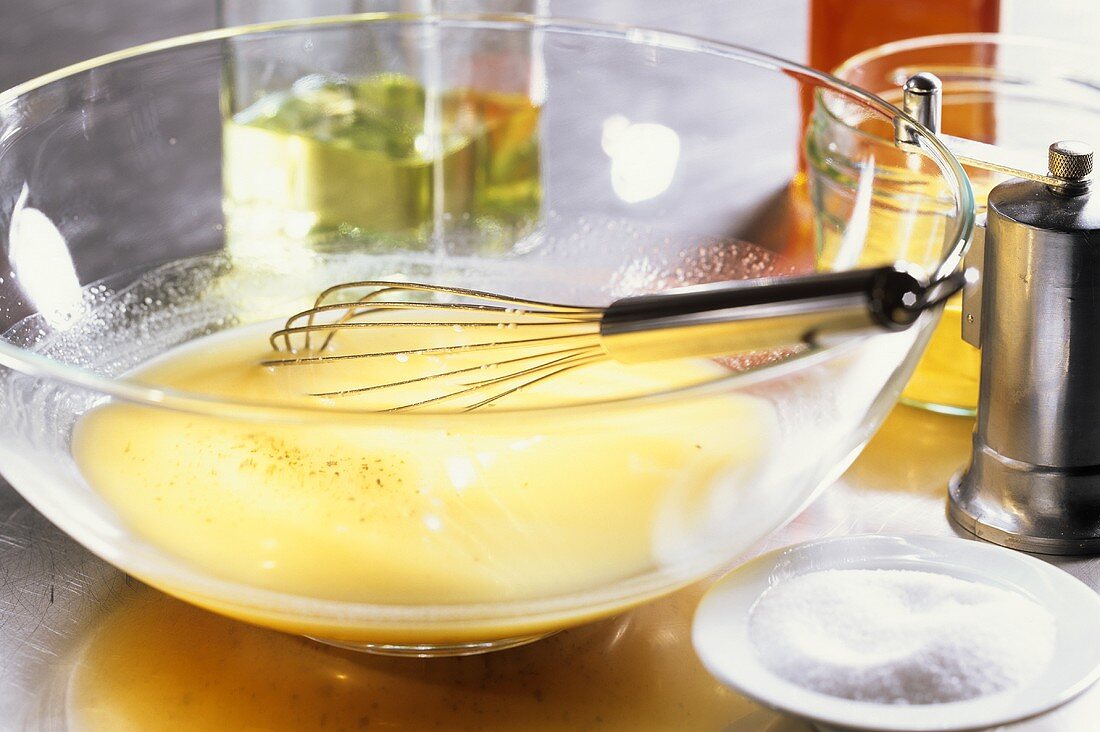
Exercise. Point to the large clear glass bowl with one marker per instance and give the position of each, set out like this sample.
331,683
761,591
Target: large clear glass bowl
658,160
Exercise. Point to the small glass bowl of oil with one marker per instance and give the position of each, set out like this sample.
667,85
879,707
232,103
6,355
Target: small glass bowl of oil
1016,92
136,411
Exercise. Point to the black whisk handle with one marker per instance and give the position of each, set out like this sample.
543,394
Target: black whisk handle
729,317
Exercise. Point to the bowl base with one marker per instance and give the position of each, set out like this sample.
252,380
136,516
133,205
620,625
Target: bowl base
433,650
949,409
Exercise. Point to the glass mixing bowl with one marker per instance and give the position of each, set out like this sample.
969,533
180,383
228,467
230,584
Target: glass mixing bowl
1016,92
649,160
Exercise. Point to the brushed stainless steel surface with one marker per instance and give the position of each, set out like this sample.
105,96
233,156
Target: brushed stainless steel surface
1034,479
972,293
1027,507
921,99
1041,272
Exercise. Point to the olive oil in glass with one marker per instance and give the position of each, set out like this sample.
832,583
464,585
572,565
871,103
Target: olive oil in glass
374,162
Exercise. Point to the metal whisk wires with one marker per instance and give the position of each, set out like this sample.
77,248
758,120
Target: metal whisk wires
563,338
463,358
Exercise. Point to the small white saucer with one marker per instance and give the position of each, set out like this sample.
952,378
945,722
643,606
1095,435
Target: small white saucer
721,639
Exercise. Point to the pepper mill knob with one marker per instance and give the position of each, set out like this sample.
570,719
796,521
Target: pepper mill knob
1071,160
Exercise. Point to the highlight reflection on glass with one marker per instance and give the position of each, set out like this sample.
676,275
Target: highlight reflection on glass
41,261
643,157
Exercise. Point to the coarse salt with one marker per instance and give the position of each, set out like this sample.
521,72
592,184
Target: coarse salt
900,636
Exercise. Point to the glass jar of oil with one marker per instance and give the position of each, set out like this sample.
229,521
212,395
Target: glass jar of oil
996,89
378,138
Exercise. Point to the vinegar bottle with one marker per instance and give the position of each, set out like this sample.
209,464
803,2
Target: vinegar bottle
839,29
843,28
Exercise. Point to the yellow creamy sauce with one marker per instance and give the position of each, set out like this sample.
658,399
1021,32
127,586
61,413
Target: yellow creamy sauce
416,509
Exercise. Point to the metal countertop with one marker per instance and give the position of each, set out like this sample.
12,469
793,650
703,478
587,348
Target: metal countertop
74,632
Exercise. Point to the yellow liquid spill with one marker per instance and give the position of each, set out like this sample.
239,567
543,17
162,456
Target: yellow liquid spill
334,162
156,663
447,511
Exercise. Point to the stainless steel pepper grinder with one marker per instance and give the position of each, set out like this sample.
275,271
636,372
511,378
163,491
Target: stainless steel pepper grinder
1033,482
1034,478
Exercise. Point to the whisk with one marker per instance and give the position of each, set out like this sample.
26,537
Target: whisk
704,320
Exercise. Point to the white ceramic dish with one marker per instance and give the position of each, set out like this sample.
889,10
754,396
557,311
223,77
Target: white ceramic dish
721,639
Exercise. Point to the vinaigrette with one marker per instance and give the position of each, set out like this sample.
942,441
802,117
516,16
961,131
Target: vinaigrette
440,510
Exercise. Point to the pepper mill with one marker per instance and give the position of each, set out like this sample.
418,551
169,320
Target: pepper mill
1034,478
1033,482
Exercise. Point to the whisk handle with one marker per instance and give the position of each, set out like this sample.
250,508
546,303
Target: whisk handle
729,317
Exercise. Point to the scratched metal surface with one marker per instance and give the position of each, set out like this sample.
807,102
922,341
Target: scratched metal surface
51,589
56,598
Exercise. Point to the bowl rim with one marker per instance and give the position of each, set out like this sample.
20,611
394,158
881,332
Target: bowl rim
890,48
957,236
942,40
